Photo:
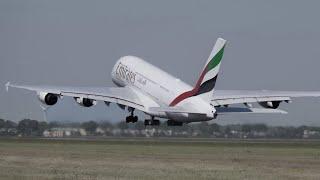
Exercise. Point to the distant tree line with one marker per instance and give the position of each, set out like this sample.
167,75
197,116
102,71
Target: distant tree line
27,127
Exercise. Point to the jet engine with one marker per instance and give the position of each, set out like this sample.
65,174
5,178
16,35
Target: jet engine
270,104
85,102
48,98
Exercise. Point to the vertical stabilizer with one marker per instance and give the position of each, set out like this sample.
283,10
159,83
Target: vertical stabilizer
208,77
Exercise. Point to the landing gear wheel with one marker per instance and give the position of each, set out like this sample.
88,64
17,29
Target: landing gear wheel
156,123
147,122
174,123
131,119
135,119
128,119
152,122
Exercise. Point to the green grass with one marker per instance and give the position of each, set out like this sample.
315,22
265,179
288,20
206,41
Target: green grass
158,159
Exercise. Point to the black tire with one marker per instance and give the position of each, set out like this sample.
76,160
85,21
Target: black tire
128,119
135,119
156,122
147,122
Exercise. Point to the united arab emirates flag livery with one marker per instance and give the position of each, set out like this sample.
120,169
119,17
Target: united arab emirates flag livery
208,77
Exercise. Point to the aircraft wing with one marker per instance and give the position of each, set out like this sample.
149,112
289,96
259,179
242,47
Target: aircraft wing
123,96
227,97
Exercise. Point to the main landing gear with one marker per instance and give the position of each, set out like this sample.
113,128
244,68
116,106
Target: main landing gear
131,118
151,122
174,123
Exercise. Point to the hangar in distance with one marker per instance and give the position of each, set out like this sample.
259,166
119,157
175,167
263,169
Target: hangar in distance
144,87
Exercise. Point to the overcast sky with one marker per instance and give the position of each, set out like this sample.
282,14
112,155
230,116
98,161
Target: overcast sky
271,45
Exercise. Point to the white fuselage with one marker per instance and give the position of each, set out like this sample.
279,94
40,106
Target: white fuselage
160,86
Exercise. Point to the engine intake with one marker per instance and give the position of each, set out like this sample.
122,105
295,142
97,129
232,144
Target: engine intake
270,104
48,98
85,102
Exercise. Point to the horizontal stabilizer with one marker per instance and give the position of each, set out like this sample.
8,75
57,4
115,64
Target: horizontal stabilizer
230,110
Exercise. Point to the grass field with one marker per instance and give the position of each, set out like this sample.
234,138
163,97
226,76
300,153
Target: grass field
158,159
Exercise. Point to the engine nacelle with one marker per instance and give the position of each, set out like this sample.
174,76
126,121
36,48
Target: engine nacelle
85,102
48,98
270,104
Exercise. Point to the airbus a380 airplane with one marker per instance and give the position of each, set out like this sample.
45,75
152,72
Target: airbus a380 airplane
147,88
